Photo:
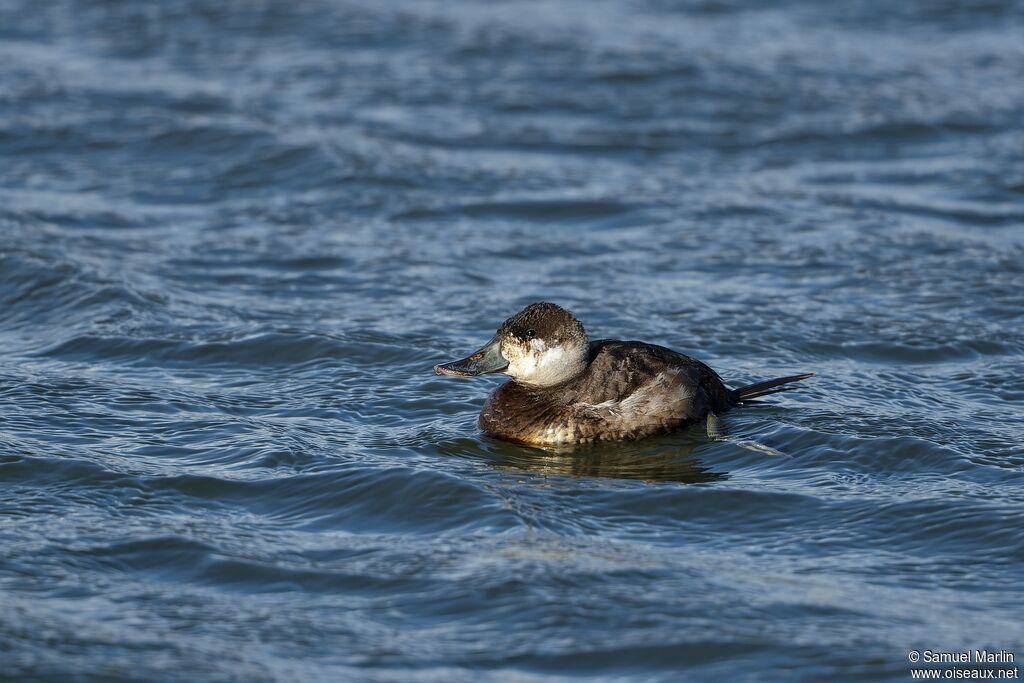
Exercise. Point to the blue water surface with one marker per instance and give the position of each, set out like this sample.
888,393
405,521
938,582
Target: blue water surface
235,237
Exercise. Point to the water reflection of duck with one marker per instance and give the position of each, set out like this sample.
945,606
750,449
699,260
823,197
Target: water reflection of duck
566,389
669,462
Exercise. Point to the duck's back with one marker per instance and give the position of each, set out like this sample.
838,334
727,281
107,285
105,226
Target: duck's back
629,390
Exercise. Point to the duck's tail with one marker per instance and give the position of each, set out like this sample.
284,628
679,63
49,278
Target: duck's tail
769,386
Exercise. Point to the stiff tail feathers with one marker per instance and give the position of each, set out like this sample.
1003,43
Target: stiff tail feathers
770,386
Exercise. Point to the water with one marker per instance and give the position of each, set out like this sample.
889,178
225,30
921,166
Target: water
237,236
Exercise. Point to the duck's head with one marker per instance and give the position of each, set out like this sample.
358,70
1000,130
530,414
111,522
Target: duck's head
541,345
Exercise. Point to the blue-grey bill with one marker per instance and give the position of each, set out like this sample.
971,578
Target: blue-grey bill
487,359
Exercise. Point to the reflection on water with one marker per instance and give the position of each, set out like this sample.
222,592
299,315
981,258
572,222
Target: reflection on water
666,459
679,466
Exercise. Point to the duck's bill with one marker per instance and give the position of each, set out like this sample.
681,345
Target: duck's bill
488,359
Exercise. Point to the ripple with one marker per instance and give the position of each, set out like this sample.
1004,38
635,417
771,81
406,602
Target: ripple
284,349
582,211
369,500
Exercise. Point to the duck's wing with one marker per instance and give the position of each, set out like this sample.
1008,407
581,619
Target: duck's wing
648,358
672,391
634,389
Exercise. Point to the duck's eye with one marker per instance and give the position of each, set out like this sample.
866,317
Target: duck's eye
530,334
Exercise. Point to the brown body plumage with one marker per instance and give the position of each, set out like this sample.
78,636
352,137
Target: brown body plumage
628,390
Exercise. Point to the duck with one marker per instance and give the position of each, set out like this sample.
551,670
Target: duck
566,389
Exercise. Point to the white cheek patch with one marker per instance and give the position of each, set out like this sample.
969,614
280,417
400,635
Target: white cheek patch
550,366
538,365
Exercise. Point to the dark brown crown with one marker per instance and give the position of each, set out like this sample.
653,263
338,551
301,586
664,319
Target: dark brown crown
546,321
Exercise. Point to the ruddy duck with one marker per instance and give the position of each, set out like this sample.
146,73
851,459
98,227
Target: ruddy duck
566,389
